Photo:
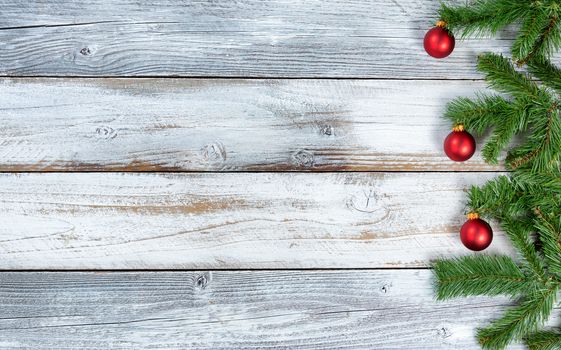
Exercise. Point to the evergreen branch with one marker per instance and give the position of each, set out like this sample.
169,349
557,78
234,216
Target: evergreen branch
539,191
550,237
479,275
530,35
483,16
546,340
520,320
527,203
476,115
505,200
544,44
513,121
501,75
519,234
542,151
533,108
547,73
498,198
546,182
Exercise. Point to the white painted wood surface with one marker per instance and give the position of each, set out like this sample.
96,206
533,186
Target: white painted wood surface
388,119
227,125
246,38
236,309
232,220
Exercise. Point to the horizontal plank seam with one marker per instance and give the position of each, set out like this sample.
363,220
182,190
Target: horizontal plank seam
229,77
304,171
306,269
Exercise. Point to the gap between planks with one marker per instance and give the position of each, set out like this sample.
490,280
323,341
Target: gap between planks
241,77
319,269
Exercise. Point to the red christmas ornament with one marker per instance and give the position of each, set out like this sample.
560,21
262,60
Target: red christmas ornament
476,234
439,42
459,145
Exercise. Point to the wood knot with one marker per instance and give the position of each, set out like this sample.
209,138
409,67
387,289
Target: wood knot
105,132
202,281
156,27
326,130
303,158
85,51
443,332
365,202
385,288
214,152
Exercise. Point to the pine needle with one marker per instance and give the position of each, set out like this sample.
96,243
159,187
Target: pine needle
548,340
479,275
519,321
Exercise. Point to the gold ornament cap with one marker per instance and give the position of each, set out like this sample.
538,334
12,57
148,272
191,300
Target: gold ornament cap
458,127
472,216
441,24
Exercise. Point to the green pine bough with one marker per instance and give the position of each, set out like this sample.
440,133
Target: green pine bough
527,202
539,35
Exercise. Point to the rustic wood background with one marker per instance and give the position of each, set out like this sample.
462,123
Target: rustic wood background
231,174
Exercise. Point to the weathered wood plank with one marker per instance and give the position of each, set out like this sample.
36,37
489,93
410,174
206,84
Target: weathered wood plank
268,38
232,220
226,125
235,310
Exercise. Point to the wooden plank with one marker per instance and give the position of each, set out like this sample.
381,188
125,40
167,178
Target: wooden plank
227,125
249,220
246,38
235,310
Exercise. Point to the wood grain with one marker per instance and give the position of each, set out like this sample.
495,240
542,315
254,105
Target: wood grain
246,38
226,217
227,125
235,310
231,220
